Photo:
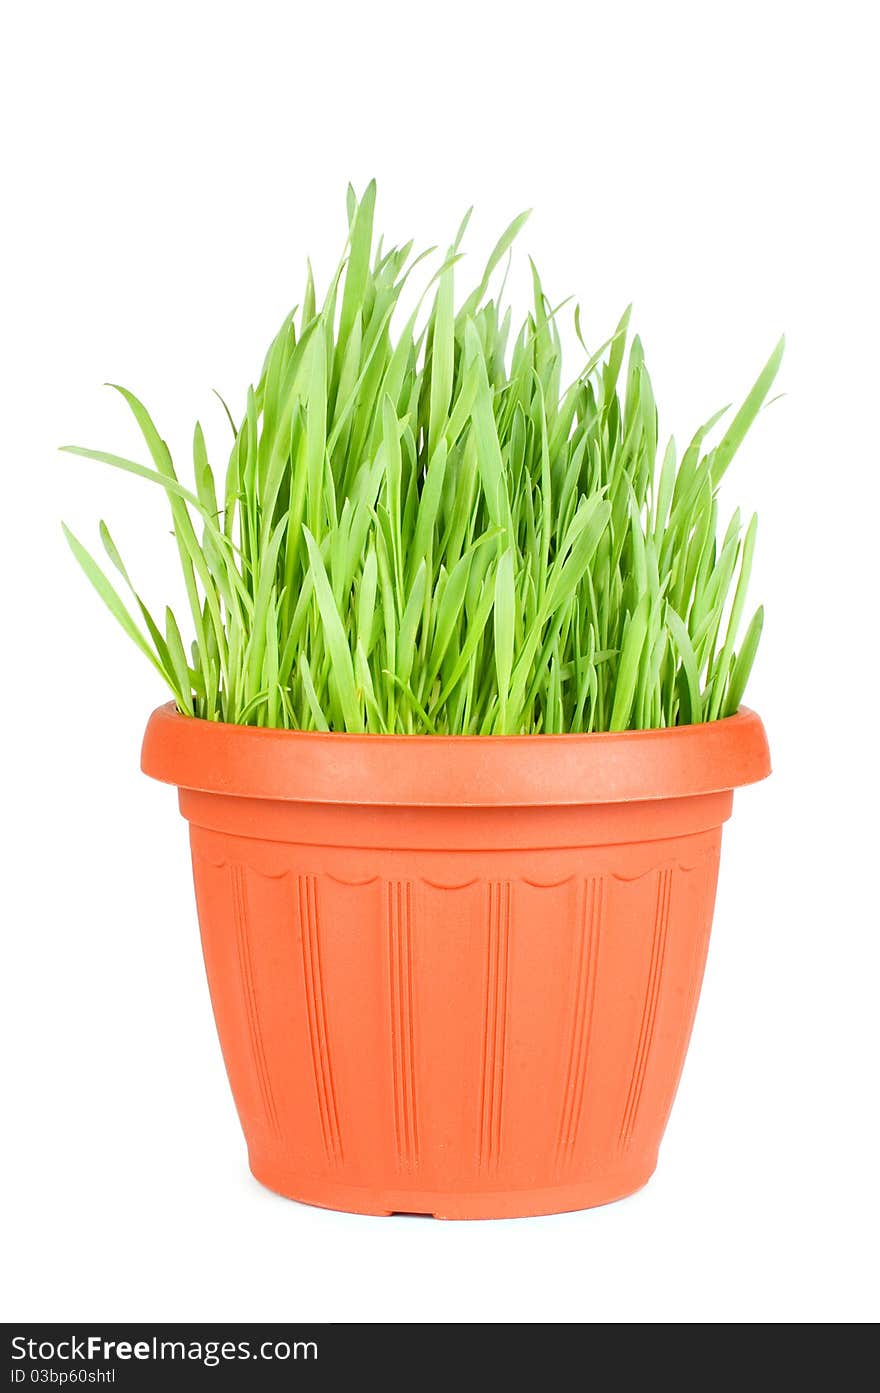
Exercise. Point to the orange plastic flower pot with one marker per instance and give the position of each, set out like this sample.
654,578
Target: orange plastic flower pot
454,976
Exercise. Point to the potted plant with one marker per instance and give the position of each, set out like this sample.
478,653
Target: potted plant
455,737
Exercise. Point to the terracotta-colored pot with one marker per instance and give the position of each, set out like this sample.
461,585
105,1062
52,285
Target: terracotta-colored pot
454,975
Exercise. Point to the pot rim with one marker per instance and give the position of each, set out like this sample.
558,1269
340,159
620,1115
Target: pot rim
459,771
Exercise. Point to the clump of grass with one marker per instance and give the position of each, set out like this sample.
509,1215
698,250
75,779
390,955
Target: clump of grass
422,529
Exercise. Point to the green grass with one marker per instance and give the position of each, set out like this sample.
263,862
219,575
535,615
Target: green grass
424,528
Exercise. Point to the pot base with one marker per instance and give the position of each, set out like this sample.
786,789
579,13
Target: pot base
490,1204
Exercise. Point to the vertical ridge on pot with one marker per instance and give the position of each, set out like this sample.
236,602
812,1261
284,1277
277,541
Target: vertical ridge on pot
495,1023
317,1017
238,876
592,894
399,931
707,865
649,1010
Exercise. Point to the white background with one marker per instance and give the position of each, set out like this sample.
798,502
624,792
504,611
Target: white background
167,170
